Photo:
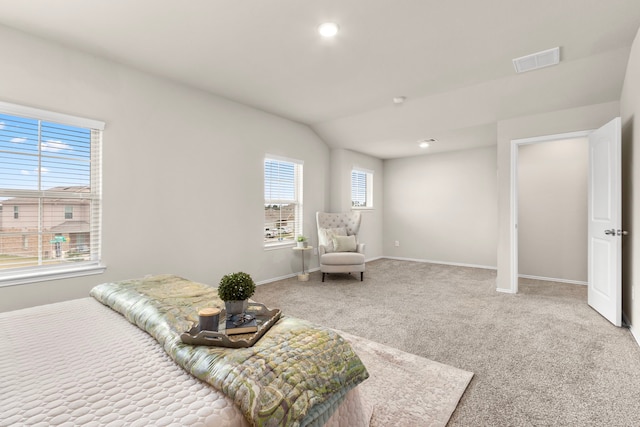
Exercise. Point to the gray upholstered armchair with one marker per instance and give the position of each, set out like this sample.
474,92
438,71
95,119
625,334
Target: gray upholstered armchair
338,247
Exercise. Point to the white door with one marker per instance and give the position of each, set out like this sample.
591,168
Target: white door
605,222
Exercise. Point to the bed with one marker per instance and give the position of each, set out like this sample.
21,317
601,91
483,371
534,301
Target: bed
116,359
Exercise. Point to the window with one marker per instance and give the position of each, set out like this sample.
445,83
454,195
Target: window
361,188
282,200
50,172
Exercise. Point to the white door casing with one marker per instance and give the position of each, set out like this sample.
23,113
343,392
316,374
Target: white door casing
605,222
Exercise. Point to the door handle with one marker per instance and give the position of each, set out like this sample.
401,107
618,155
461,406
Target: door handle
611,232
622,233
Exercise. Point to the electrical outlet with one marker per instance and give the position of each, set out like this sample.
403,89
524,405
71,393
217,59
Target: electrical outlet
397,244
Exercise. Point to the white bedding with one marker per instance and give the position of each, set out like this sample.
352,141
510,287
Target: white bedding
80,363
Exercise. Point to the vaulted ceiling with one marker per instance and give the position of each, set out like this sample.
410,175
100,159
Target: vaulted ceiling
452,60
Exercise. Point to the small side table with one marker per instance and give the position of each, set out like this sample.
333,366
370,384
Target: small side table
304,276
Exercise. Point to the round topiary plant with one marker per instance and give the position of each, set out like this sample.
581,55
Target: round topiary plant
236,287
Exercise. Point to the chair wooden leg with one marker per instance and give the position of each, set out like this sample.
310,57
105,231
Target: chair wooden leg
361,276
323,277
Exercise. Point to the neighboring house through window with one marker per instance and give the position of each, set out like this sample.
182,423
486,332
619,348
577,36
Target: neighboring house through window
50,173
361,188
282,200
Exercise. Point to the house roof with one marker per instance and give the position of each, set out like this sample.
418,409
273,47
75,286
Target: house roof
71,227
30,201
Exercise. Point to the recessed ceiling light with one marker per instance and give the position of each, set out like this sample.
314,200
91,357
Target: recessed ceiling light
399,99
328,29
425,143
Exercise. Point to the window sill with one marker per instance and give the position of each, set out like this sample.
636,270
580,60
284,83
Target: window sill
364,208
45,274
283,245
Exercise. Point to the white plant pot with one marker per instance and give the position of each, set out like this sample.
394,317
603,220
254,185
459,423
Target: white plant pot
302,244
235,306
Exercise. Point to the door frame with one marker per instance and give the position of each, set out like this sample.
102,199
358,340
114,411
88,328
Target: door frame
513,221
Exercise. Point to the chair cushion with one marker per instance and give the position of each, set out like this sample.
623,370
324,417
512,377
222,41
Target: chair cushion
342,258
344,243
325,237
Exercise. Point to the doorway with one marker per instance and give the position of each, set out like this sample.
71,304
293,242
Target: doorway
604,258
552,211
515,197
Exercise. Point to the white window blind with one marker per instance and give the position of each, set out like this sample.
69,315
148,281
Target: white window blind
282,200
50,191
361,188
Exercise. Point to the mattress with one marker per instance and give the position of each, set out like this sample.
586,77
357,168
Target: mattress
108,372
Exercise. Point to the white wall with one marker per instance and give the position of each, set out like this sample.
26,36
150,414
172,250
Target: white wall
371,229
550,123
442,207
183,170
552,209
630,113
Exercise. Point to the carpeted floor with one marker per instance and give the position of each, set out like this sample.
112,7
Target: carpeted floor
542,357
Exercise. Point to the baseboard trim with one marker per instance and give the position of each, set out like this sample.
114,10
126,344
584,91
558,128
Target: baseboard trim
275,279
634,333
311,270
505,291
551,279
287,276
428,261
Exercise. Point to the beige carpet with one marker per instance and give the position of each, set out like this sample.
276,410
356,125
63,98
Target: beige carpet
542,357
405,389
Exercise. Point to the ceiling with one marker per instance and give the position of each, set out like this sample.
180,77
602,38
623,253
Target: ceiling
450,59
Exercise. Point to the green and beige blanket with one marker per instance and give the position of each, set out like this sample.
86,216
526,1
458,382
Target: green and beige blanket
292,376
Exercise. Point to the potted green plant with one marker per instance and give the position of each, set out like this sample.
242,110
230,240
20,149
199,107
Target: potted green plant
234,289
302,241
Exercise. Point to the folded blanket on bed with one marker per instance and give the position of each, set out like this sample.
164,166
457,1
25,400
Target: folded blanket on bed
291,377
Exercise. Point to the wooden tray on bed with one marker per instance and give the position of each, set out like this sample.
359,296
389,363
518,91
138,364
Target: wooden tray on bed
265,318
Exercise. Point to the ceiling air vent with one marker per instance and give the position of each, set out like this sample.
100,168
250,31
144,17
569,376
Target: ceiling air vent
537,60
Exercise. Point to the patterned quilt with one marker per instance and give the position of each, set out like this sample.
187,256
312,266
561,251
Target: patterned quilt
292,376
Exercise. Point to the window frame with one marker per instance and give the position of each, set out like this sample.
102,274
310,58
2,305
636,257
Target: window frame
298,226
368,188
39,273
